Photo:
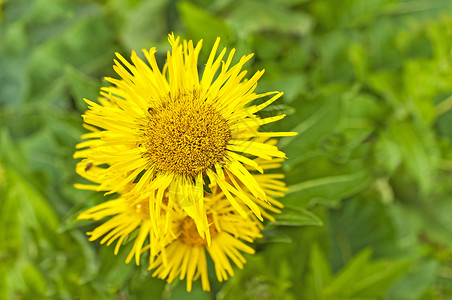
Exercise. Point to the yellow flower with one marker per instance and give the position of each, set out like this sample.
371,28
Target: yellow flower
181,252
185,257
176,131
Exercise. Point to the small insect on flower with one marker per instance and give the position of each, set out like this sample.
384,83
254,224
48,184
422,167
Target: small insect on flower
191,125
88,166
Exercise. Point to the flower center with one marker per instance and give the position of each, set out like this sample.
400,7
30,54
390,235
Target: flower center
190,234
185,135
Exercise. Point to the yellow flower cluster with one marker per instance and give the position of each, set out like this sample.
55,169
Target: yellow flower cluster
187,158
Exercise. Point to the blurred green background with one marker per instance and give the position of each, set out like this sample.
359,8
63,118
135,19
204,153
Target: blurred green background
368,85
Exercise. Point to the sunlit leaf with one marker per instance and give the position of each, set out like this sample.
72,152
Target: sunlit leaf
293,216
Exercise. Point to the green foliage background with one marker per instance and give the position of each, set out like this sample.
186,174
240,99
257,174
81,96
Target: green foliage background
368,86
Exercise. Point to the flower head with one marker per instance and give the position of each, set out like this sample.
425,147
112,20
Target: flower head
176,132
185,256
181,251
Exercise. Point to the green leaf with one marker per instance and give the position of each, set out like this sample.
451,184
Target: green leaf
359,59
135,33
359,223
34,281
436,213
349,13
258,280
350,273
420,82
13,81
418,150
294,216
320,269
251,16
319,118
4,289
387,155
143,286
91,34
274,235
388,85
415,282
81,86
363,278
328,190
179,291
203,25
292,85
